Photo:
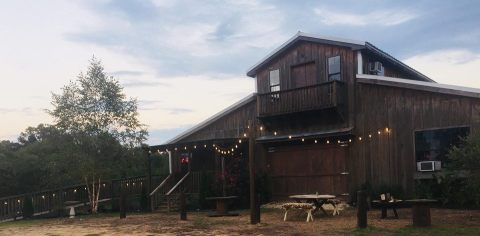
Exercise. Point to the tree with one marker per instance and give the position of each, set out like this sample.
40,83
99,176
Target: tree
102,122
464,175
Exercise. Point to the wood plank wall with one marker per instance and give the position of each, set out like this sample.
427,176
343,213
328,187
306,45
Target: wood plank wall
390,159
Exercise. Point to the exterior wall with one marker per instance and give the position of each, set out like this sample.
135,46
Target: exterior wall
308,52
390,70
390,159
230,126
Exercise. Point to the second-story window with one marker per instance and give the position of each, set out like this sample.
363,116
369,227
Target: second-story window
274,82
333,66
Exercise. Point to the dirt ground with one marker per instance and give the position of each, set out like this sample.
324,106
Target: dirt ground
461,222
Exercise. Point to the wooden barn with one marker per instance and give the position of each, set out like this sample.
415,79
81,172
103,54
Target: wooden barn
327,116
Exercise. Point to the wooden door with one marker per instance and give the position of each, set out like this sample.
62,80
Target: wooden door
307,169
304,75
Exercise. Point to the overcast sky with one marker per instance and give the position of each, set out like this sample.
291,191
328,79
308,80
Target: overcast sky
186,60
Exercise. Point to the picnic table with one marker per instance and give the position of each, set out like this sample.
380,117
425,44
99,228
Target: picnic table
316,199
421,211
222,208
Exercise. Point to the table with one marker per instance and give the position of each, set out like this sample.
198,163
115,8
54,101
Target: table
421,211
384,205
222,208
317,199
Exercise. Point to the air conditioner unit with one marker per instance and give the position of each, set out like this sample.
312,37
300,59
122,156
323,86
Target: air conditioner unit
429,166
375,67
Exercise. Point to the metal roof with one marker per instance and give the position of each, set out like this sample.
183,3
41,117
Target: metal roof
419,85
354,44
212,119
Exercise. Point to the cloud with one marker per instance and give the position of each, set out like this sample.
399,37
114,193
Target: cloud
140,83
205,37
449,66
384,17
128,73
178,111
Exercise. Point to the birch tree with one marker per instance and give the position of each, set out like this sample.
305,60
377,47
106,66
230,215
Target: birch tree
95,111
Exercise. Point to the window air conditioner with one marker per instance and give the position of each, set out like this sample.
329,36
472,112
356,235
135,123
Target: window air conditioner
375,67
429,165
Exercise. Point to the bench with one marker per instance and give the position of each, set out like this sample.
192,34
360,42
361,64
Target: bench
335,203
307,207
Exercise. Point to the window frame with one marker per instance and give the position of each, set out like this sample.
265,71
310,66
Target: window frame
433,129
339,73
277,85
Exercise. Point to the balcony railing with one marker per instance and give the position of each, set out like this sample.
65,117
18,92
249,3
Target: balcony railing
315,97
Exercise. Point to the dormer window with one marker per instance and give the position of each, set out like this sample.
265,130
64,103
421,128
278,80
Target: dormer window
274,80
333,66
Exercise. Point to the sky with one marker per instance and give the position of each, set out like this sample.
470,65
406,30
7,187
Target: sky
186,60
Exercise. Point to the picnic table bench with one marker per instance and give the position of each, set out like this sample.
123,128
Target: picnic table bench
318,200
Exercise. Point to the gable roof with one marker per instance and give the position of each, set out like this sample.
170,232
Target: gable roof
212,119
353,44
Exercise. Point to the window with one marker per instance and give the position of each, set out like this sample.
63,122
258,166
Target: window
334,68
275,82
433,145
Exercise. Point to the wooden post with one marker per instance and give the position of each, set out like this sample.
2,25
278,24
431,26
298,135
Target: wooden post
149,181
361,209
183,206
254,213
224,182
123,202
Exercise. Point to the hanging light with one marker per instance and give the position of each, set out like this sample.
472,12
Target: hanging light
194,146
244,134
261,128
338,141
349,140
369,136
185,148
205,145
328,141
275,133
236,146
379,132
387,130
239,141
360,138
303,140
315,141
289,136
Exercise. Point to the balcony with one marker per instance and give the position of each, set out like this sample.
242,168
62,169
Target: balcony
315,97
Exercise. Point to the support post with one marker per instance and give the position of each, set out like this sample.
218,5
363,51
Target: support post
361,209
254,212
123,202
183,206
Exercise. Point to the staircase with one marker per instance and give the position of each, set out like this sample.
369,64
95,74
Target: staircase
165,197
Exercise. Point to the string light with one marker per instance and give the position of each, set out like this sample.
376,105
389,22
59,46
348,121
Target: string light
360,138
379,132
205,145
328,141
349,140
244,134
338,141
315,141
289,136
369,136
239,141
303,140
261,128
275,133
195,147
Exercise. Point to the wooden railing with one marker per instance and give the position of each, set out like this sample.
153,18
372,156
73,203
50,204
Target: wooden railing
11,207
315,97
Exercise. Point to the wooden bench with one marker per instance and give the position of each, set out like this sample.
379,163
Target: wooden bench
307,207
335,203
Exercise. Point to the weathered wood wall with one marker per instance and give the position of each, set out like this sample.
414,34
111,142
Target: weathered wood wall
390,159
